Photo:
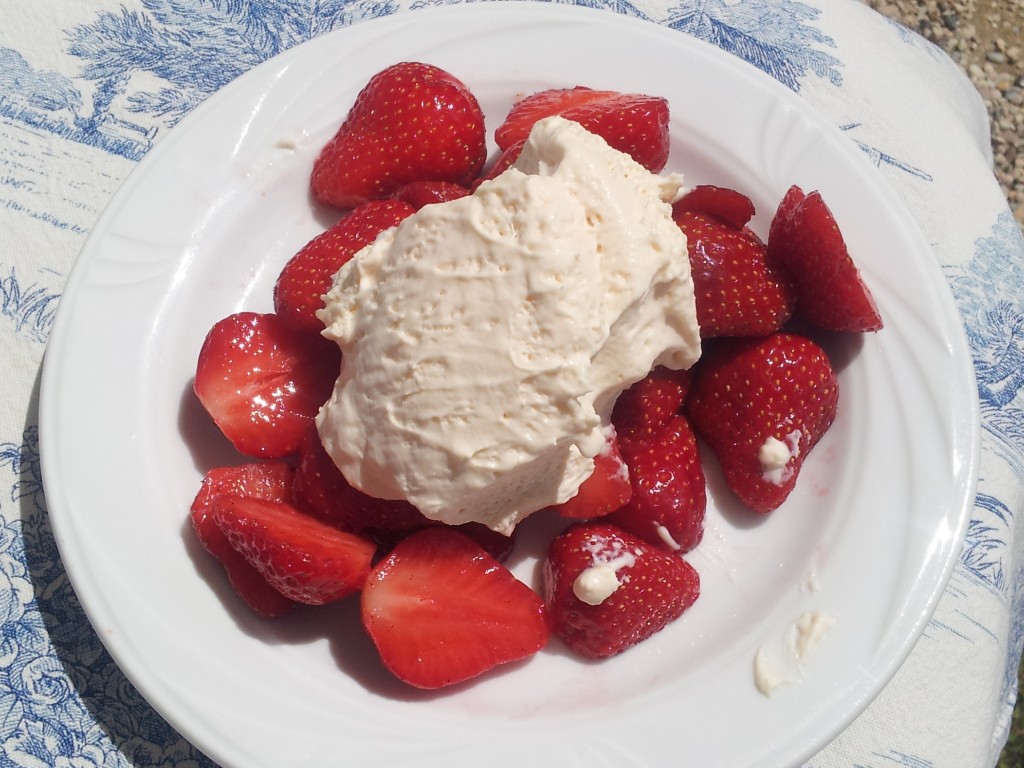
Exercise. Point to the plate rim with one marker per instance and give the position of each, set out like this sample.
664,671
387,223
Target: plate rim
50,383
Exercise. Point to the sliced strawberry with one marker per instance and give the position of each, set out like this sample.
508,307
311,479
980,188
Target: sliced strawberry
736,292
727,205
411,122
322,488
669,499
420,193
651,402
804,242
299,290
762,405
633,123
605,490
606,590
505,160
271,481
305,560
263,382
441,610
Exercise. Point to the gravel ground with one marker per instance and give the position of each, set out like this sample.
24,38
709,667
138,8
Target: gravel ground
986,37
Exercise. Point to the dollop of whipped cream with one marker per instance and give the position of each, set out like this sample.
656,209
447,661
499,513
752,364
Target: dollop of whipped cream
484,340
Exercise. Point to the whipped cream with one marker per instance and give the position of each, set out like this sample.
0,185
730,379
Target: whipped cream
486,339
774,456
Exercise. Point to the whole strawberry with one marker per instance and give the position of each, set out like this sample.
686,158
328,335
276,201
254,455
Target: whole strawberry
299,290
669,497
321,488
649,403
606,590
411,122
762,405
736,291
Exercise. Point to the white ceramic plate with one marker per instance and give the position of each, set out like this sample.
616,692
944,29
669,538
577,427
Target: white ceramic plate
201,229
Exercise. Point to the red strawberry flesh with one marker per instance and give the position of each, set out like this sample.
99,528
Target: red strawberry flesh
271,481
304,559
605,490
732,208
633,123
441,610
804,242
263,382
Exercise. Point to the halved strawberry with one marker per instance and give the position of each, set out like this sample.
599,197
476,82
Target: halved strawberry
441,610
505,160
723,203
301,285
669,499
420,193
737,293
605,490
606,590
762,405
271,481
322,488
649,403
305,560
263,382
410,122
633,123
805,243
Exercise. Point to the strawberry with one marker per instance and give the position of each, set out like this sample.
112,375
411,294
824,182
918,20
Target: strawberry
730,207
263,382
762,405
322,488
410,122
441,610
630,122
420,193
651,402
805,243
606,590
305,560
669,499
497,545
505,160
271,481
737,292
301,285
605,490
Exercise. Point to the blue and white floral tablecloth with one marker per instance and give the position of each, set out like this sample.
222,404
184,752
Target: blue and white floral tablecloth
88,87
